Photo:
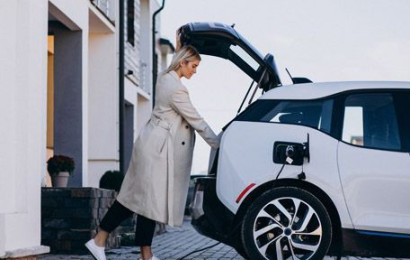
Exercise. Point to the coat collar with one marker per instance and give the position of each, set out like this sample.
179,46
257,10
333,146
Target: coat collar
174,74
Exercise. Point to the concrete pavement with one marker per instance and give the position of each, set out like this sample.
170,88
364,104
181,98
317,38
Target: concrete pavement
177,243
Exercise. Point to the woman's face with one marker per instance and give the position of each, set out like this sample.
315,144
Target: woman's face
188,68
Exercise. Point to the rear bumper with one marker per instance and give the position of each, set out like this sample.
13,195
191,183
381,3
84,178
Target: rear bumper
209,216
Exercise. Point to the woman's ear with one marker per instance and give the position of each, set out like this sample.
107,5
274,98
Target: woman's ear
182,62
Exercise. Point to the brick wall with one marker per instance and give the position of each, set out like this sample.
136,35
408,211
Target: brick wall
70,217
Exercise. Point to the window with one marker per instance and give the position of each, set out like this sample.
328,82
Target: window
245,56
130,22
313,113
370,121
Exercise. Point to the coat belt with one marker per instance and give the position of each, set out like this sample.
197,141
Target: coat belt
160,122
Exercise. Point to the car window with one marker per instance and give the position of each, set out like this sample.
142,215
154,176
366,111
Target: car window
370,121
313,113
402,99
245,56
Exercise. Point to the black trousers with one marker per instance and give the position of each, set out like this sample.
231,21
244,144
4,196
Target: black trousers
144,231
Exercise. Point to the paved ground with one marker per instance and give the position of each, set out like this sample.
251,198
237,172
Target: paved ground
176,244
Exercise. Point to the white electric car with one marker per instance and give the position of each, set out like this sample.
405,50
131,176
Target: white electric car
306,170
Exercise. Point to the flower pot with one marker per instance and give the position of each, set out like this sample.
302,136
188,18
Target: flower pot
60,180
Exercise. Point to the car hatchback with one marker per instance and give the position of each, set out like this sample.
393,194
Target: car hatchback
307,169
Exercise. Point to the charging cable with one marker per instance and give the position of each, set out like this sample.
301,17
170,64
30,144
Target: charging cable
280,171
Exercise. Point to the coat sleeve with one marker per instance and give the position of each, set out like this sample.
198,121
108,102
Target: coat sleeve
181,102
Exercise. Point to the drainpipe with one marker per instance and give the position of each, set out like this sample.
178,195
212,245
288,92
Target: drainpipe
121,86
154,55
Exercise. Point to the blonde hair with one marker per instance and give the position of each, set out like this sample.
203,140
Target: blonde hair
187,53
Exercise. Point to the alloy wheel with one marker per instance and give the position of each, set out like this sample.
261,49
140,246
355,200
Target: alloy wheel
282,226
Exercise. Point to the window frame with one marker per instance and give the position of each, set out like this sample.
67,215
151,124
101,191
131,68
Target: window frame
260,108
130,22
340,108
399,100
402,99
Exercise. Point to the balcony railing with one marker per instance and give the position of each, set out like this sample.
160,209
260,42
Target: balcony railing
107,7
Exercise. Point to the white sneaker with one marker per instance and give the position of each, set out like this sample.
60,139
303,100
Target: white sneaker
96,251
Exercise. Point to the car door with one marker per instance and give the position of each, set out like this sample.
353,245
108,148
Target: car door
374,163
248,156
224,41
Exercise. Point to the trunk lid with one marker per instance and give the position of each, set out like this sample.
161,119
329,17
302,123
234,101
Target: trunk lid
220,40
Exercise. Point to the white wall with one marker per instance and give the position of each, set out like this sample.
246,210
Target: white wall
23,99
8,104
132,53
23,109
146,45
103,90
74,13
103,106
145,95
130,95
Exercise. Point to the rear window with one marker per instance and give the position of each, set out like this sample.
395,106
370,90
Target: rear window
312,113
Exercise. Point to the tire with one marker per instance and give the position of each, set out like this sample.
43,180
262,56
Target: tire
286,223
241,251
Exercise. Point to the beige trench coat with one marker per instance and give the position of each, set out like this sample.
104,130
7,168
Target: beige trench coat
156,183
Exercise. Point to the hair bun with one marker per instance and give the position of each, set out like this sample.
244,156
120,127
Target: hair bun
184,35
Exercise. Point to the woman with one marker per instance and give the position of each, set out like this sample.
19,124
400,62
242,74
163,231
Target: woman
156,183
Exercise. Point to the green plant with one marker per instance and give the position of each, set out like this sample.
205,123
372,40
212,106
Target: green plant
111,180
60,163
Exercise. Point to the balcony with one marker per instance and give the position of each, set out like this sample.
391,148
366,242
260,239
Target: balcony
106,7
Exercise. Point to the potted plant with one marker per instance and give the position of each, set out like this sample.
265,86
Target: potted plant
60,168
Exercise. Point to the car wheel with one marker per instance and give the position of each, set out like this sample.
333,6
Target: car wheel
241,251
286,223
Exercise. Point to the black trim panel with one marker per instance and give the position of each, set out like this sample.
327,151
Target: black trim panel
402,102
217,221
375,244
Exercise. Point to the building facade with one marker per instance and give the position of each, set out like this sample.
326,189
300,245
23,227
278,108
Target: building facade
59,63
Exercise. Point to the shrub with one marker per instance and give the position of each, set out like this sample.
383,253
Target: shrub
111,180
60,163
